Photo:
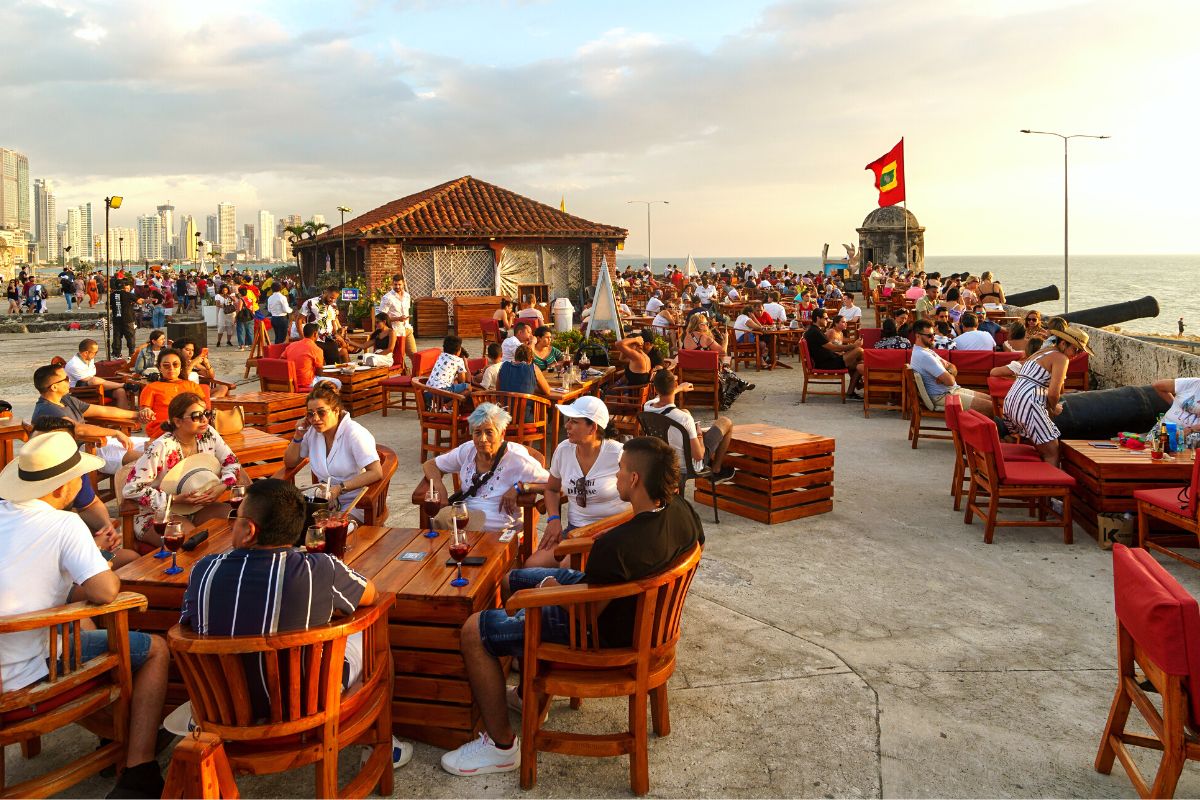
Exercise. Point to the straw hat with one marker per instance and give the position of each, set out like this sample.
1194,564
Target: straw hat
1075,336
476,520
193,474
44,464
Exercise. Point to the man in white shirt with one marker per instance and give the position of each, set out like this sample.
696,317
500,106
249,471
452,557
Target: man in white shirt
849,311
81,371
654,304
397,304
775,308
937,374
44,550
971,337
705,447
705,292
732,296
280,310
521,335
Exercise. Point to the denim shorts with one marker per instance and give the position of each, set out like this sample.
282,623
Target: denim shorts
503,635
94,644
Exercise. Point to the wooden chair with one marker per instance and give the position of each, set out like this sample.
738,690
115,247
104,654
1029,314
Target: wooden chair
311,720
1158,630
277,375
443,418
660,426
96,693
1019,481
1175,505
584,668
702,368
274,350
870,337
490,329
973,367
961,475
746,352
883,379
624,404
530,416
373,499
1077,374
826,377
923,418
998,389
422,365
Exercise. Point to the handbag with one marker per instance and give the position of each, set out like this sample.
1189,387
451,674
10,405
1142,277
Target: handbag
229,420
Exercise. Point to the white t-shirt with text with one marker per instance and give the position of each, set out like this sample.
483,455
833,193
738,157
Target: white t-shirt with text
602,498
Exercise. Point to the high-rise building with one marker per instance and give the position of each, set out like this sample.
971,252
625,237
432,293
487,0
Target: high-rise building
74,235
10,189
61,230
211,231
45,220
248,240
318,218
266,236
166,217
290,221
187,238
149,237
227,227
23,215
85,232
125,245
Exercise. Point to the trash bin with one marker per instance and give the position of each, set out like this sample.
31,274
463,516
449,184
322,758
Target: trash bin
564,314
193,330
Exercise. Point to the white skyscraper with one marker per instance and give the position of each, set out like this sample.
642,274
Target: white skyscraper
266,236
10,189
74,234
125,245
85,231
318,218
45,220
227,227
150,237
166,216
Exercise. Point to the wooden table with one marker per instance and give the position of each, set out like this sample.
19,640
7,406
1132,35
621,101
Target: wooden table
782,475
361,393
260,453
1106,478
772,336
273,412
432,700
11,430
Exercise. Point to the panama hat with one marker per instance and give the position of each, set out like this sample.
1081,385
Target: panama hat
194,473
587,407
443,520
1073,335
44,464
180,721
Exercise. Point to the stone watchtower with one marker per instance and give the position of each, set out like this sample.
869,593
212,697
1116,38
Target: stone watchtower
881,238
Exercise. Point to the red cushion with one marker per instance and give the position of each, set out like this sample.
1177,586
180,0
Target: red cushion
1035,473
25,713
699,359
1018,452
1167,498
1159,614
886,359
397,381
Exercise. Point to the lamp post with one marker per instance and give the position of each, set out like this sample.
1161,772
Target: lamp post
1066,261
649,258
121,244
109,204
344,211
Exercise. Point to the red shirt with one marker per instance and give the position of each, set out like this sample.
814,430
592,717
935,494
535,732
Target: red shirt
763,318
308,358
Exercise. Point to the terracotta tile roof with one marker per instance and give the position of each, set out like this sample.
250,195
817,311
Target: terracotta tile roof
469,207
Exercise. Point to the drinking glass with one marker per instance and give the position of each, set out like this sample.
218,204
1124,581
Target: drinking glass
314,539
461,515
236,495
431,506
584,361
173,539
458,551
160,527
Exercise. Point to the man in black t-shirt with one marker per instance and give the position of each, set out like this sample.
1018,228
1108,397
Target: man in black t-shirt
664,527
830,355
123,304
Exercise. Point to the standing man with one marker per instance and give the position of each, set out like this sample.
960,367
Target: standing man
397,304
278,308
66,280
1181,326
123,306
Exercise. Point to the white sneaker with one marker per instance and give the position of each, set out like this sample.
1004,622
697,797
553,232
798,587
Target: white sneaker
481,756
402,753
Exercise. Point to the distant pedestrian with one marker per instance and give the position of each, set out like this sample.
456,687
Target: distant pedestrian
1181,326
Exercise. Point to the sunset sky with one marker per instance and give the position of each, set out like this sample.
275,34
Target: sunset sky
754,119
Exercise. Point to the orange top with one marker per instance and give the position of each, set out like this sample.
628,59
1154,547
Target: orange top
308,358
157,397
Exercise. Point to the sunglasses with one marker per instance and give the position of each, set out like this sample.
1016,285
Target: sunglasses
197,416
580,487
318,413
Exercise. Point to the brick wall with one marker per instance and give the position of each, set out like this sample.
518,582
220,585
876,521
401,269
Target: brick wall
599,252
382,262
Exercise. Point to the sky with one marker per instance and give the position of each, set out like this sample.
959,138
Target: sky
754,119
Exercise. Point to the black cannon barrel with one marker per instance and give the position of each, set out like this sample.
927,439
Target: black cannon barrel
1114,314
1104,413
1043,295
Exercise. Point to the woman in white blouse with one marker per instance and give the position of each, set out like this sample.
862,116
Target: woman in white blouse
338,449
490,471
583,472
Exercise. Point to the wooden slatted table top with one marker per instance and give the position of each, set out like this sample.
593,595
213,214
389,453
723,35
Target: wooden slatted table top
252,444
1121,462
359,376
578,389
270,398
777,442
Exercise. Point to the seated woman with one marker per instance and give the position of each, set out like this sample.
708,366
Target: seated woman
955,305
583,472
188,432
1033,324
545,355
1182,394
380,344
201,369
157,395
520,375
340,452
505,318
1034,397
490,471
641,357
1013,368
698,336
147,357
890,338
1017,337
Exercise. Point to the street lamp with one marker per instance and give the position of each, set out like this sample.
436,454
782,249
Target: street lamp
1066,249
121,244
109,204
200,252
344,211
649,258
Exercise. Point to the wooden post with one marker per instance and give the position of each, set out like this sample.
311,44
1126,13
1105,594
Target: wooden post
199,768
257,350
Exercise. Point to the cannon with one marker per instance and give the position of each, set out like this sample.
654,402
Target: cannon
1104,413
1114,314
1023,299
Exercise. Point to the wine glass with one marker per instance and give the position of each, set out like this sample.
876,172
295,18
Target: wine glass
314,539
237,494
458,551
431,506
160,527
584,361
173,539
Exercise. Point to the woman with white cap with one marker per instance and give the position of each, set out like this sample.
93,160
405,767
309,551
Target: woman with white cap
1034,397
583,471
189,466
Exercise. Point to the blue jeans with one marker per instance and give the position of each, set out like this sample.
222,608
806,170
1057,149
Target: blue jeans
158,317
503,635
245,332
93,644
70,300
279,326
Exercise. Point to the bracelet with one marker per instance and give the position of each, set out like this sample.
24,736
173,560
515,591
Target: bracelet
553,517
517,487
297,441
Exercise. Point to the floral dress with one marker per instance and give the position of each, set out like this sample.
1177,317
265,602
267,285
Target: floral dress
159,456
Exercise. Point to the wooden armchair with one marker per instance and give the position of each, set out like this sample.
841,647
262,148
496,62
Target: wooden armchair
530,416
883,379
95,693
1177,506
701,368
624,404
585,668
373,499
820,376
923,418
311,720
443,418
401,383
276,375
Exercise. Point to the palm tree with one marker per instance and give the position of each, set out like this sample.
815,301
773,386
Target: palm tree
294,234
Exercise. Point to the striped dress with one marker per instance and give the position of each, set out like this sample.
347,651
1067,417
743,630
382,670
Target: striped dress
1025,405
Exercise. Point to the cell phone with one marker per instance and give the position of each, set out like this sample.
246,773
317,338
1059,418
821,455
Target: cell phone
194,540
469,561
1105,445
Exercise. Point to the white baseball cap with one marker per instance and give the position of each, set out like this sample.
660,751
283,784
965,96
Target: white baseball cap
587,407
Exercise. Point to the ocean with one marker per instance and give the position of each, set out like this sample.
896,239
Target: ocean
1095,280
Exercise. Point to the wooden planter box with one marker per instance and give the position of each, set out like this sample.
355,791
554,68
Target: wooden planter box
468,311
431,317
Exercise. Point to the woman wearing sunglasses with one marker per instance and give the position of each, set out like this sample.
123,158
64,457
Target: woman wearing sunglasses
157,395
188,431
339,450
583,472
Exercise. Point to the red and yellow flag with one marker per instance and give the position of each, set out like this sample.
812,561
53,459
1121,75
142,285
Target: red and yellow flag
889,176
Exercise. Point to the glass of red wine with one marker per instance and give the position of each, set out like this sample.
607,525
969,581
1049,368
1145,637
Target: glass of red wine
160,527
314,540
458,551
173,539
237,494
431,506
